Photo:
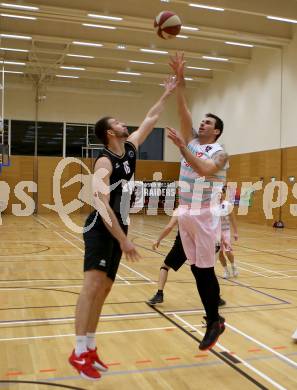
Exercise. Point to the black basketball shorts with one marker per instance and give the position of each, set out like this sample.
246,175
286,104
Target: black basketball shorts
176,257
102,250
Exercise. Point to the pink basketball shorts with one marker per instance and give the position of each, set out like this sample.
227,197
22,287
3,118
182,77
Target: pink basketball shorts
199,235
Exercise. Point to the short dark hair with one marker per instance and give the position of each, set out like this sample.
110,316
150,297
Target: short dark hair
101,128
219,124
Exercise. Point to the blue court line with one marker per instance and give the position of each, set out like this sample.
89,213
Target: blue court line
258,291
158,369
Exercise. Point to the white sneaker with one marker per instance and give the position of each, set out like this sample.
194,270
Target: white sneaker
294,335
235,272
226,274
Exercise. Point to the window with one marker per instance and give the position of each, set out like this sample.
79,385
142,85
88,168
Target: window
6,127
50,139
152,148
22,138
76,138
92,139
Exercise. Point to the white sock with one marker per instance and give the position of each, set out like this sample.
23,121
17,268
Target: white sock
233,265
226,269
91,340
81,345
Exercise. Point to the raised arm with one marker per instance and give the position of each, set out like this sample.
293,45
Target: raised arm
101,191
167,229
202,167
177,63
146,127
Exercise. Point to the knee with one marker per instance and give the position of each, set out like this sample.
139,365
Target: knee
165,267
93,287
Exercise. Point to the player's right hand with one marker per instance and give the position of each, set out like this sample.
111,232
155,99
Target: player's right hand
156,245
130,251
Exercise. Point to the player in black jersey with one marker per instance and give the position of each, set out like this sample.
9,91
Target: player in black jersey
106,229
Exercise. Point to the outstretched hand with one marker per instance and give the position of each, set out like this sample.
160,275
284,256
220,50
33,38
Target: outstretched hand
177,64
175,137
170,84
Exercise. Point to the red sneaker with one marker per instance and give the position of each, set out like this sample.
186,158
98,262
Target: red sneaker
83,364
97,363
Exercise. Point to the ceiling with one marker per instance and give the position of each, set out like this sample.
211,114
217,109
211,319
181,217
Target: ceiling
53,26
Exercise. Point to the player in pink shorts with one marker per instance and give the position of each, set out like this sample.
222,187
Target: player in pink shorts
227,217
202,175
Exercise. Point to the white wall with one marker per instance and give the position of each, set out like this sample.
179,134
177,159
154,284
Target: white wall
88,105
289,113
248,100
257,102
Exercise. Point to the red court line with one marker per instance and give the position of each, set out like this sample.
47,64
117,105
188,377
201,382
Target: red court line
255,350
173,358
48,370
143,361
113,364
169,330
14,373
280,347
199,356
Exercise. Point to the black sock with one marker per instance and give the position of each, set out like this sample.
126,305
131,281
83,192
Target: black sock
209,290
160,292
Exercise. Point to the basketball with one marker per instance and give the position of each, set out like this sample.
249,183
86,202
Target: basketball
167,25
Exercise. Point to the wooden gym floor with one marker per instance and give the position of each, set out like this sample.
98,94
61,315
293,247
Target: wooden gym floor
41,276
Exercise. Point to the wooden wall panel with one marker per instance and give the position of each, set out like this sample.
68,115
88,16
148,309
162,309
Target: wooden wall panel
289,168
251,167
146,168
20,169
243,168
46,169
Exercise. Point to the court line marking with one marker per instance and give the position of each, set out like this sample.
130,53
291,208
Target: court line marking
249,270
79,239
49,288
264,346
98,333
107,317
257,291
238,261
265,269
121,264
122,279
152,369
69,242
246,364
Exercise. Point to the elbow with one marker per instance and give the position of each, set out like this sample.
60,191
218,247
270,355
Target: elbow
202,171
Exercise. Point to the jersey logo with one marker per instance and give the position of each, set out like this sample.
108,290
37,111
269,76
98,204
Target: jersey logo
208,148
102,263
117,165
127,167
131,153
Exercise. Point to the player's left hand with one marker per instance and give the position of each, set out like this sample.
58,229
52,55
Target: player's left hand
170,84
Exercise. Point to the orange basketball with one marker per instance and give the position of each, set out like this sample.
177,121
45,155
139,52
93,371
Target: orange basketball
167,25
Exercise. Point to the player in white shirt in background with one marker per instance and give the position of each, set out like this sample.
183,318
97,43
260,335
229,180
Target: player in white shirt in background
227,219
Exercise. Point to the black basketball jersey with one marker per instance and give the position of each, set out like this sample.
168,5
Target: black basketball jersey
123,168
